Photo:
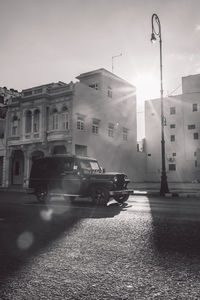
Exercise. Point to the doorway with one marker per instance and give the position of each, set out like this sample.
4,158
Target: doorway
18,167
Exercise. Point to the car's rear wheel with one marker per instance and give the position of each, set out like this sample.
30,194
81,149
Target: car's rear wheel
42,195
99,195
121,198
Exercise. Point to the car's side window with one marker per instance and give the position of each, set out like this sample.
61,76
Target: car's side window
68,165
42,168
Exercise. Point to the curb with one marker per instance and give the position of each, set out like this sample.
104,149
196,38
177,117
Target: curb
168,195
13,190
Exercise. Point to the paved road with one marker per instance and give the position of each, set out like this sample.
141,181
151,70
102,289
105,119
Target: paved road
146,249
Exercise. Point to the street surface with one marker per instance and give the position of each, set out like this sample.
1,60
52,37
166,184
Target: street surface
148,248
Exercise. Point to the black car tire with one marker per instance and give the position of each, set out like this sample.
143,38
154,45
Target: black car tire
99,195
42,195
121,198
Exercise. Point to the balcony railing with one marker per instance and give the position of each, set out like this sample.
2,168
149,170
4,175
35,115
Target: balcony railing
13,138
58,134
51,135
49,89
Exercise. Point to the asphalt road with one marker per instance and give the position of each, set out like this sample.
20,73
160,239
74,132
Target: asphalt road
148,248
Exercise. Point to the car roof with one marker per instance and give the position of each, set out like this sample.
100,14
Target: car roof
69,156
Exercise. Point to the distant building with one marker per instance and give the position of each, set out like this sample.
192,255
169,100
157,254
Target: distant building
2,141
5,94
95,116
182,134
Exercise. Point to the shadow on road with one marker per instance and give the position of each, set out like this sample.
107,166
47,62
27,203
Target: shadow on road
176,225
28,229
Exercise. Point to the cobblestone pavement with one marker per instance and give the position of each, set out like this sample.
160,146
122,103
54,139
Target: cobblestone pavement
148,248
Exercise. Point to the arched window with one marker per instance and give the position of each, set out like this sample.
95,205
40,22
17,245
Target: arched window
36,120
55,119
14,128
65,118
28,125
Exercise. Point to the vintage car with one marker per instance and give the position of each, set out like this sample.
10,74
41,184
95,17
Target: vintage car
73,176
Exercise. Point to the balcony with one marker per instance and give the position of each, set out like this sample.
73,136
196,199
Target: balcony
14,138
57,135
49,89
26,139
32,136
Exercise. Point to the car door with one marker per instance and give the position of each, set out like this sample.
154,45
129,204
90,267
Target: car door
70,177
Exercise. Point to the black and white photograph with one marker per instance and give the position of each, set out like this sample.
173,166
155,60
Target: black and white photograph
100,150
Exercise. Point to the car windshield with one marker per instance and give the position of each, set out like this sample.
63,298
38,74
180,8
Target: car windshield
90,166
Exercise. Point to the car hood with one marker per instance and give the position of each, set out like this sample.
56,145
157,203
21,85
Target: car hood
108,175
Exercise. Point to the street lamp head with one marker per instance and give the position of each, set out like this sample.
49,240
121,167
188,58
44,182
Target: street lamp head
153,38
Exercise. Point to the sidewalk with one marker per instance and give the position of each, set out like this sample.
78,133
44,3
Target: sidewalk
176,189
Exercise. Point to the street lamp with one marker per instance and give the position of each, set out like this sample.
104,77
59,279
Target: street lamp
164,186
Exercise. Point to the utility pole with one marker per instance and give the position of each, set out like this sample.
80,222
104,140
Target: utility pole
113,61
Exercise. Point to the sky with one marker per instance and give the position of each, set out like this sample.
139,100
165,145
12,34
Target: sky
44,41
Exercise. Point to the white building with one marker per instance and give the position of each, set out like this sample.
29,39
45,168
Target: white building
182,134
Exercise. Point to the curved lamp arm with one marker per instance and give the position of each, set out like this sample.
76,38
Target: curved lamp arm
155,33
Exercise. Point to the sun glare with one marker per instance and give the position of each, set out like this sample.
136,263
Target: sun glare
147,87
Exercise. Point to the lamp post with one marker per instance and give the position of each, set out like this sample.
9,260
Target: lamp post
157,32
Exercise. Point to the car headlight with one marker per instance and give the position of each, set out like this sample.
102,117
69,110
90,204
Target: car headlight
115,178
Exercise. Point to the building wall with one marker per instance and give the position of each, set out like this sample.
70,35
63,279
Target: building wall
4,95
153,137
191,84
182,148
114,153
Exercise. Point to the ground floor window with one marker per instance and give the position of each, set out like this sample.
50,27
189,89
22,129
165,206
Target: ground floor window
1,170
81,150
172,167
60,149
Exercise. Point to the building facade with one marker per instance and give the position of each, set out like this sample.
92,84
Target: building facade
182,134
2,141
5,94
95,116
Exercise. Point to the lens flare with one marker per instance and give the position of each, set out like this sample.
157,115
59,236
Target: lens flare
46,215
25,240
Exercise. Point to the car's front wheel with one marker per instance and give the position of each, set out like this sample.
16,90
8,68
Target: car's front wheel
99,195
121,198
42,195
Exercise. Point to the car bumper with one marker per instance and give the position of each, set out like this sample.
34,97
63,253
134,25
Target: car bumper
121,192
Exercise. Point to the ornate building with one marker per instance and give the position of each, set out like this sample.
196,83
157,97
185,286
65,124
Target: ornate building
5,94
